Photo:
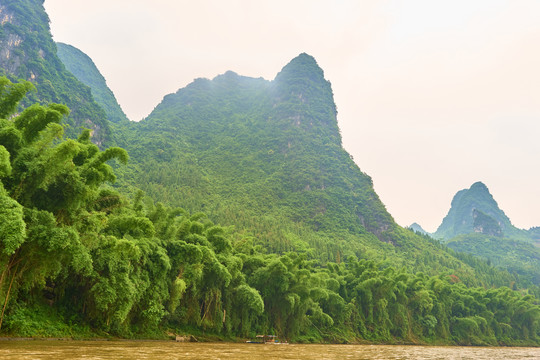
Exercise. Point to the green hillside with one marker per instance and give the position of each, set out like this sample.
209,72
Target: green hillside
271,147
84,69
512,255
27,51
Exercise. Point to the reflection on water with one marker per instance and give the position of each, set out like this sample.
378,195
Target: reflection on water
43,349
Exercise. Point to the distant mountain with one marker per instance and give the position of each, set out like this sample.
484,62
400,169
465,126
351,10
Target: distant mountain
28,52
476,225
474,210
417,228
84,69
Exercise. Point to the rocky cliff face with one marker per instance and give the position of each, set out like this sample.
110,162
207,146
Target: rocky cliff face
485,224
28,52
10,61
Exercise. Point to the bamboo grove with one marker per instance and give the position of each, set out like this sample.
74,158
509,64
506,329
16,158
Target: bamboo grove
79,258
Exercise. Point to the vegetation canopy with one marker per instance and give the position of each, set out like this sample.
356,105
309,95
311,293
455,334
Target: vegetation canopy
79,258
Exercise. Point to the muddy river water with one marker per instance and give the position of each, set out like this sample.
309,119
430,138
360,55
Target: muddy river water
48,349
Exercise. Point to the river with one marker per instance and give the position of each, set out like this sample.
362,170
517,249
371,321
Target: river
49,349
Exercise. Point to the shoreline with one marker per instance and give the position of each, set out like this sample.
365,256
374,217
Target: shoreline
243,341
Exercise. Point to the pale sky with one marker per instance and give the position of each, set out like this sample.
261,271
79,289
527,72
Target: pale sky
432,96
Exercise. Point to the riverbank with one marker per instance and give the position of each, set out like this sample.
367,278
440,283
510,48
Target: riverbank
213,338
50,325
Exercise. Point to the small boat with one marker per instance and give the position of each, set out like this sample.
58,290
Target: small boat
266,339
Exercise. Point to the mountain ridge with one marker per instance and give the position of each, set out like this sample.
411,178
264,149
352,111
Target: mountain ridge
84,69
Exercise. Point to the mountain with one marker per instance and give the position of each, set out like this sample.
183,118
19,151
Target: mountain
27,51
267,157
474,210
264,155
276,142
417,228
476,225
84,69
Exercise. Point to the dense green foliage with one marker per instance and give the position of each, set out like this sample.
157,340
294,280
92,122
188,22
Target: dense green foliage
512,255
27,51
313,254
84,69
76,257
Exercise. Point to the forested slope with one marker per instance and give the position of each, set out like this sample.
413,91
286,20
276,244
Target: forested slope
512,255
27,51
268,148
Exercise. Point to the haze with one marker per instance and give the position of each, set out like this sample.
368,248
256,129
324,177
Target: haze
432,96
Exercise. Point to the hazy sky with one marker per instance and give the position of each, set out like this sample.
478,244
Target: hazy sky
432,96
